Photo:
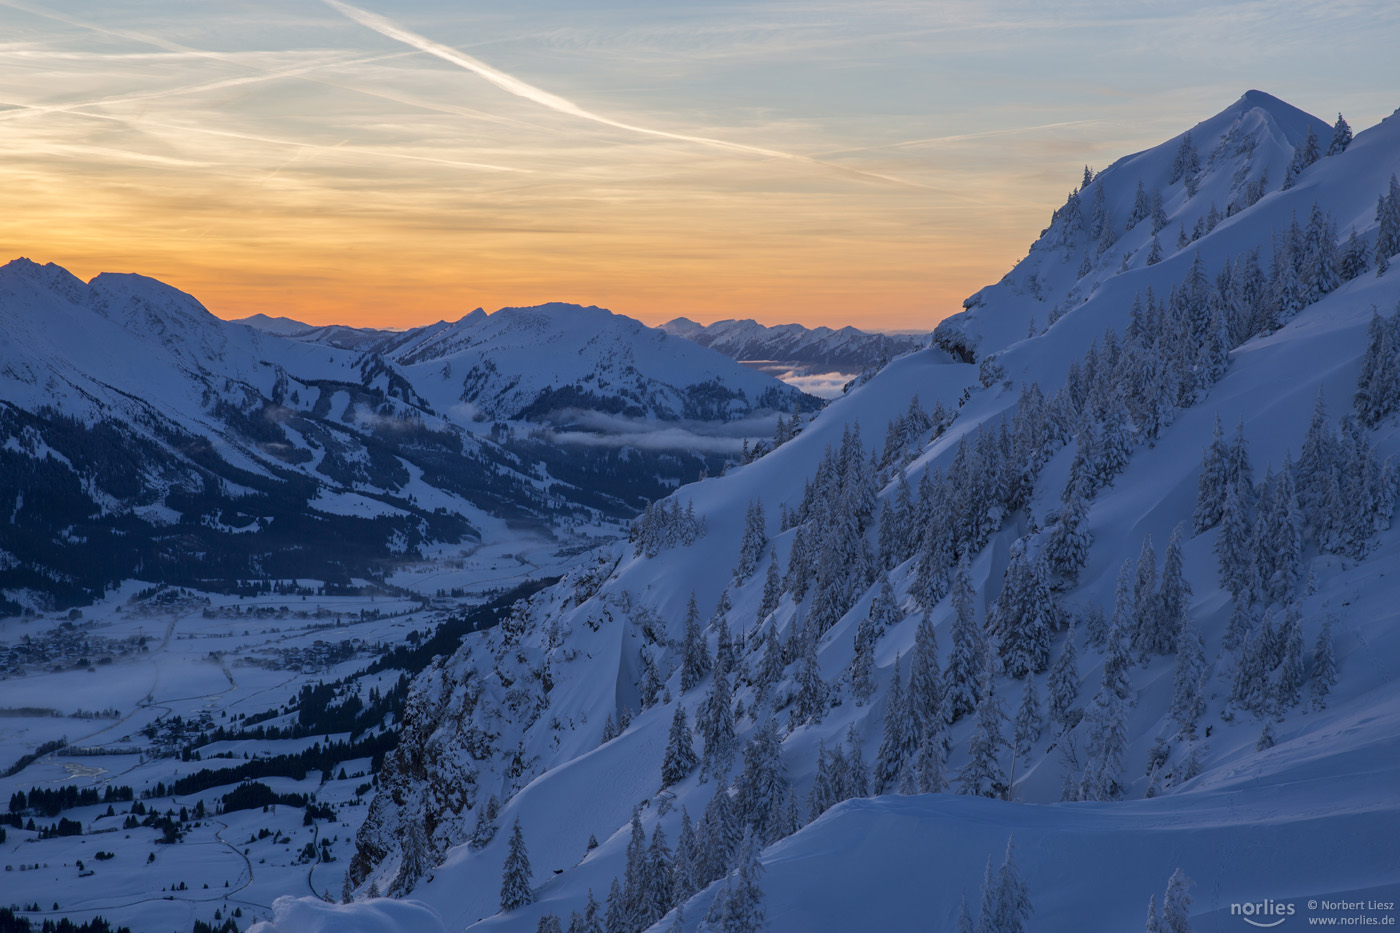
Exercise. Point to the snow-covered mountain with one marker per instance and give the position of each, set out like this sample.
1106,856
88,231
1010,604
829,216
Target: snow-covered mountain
145,437
813,348
931,633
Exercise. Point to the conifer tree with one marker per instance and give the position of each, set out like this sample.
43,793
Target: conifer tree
770,668
1006,902
898,743
515,875
930,763
634,876
925,699
744,910
1108,718
549,923
1172,596
1187,702
812,691
416,860
1028,719
983,774
1067,545
772,589
763,785
1234,550
680,757
683,874
1064,684
718,837
862,662
969,650
964,922
657,880
695,656
717,729
1144,597
754,540
1210,489
1378,387
1324,669
1154,919
485,829
615,919
1176,905
1289,684
1341,137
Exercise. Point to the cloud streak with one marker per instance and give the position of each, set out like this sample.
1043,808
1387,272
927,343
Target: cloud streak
515,86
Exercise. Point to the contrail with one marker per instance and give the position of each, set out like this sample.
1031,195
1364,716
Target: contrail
513,85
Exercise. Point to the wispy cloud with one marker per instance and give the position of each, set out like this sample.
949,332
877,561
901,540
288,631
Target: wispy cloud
527,91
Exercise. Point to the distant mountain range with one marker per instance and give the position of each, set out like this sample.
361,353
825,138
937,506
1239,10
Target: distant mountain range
809,349
142,436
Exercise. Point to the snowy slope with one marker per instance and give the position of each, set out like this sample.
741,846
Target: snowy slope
523,713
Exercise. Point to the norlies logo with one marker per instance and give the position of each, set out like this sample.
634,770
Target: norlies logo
1270,912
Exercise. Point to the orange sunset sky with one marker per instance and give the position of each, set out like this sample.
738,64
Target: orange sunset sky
391,165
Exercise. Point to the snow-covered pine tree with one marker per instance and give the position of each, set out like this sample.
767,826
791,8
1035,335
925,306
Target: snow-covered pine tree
695,655
415,861
1378,387
1234,550
899,741
1187,161
969,650
1176,904
1210,489
771,665
1172,596
1067,545
725,658
680,757
1388,232
1324,667
925,697
1022,618
1154,919
763,785
1108,713
964,923
1278,541
485,829
1341,137
1144,598
1006,901
1028,719
615,916
1188,704
657,880
1288,681
863,662
772,590
634,875
717,730
515,874
754,540
812,691
683,873
744,910
1155,254
931,761
983,774
719,837
1064,685
884,611
549,923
